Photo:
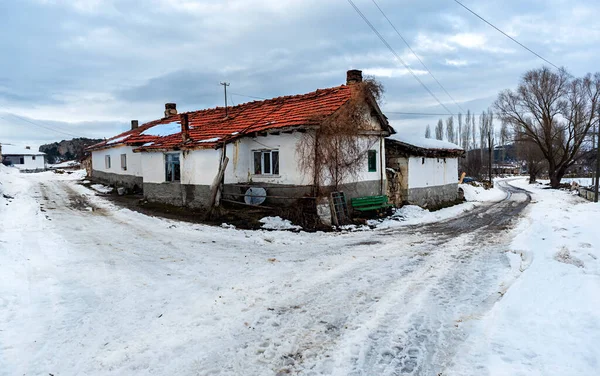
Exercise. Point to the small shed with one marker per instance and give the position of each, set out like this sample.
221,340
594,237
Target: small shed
23,158
422,171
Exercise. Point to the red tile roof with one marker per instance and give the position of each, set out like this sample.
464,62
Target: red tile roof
211,124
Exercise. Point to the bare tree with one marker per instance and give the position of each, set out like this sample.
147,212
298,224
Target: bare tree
554,111
528,151
337,149
450,129
428,131
439,130
459,133
504,138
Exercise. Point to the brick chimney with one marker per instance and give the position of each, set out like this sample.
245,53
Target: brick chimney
185,127
170,109
353,76
134,124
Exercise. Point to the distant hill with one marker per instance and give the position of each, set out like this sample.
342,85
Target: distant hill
66,150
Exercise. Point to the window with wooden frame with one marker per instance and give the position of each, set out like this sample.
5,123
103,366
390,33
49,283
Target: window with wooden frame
107,162
266,162
372,160
124,162
172,170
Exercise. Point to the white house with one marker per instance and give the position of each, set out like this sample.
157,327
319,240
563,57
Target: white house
422,171
115,163
182,157
23,158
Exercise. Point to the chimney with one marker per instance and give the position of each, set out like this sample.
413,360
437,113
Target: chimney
134,124
353,76
185,127
170,109
28,147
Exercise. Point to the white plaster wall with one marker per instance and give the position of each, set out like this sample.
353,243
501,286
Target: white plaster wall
134,161
240,168
153,167
434,172
199,167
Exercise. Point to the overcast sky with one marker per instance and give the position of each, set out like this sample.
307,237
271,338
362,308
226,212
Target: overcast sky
87,67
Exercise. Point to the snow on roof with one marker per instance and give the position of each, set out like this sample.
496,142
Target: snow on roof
163,130
424,143
19,150
118,139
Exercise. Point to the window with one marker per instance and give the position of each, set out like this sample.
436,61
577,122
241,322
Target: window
33,157
266,162
21,160
107,162
124,162
172,172
372,160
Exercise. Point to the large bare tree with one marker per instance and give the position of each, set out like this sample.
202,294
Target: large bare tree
555,112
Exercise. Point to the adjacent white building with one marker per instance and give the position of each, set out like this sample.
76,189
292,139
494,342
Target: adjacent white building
24,158
422,171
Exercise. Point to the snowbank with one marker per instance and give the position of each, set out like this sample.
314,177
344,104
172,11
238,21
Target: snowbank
101,188
414,215
473,193
548,321
277,223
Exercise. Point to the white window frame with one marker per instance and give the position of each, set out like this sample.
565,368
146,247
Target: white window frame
264,152
107,162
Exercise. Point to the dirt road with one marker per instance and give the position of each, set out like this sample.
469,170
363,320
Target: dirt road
116,292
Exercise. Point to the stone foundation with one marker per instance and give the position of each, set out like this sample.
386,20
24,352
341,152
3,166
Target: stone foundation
128,181
174,193
433,197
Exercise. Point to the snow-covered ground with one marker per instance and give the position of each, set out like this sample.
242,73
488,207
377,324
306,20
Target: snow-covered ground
93,289
548,320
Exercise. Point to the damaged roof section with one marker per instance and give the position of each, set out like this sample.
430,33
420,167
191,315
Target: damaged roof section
212,127
422,147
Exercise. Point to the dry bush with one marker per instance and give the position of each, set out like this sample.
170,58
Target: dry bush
336,151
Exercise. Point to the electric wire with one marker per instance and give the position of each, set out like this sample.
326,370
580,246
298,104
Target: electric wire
506,35
384,41
417,56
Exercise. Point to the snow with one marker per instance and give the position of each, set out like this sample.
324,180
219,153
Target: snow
422,142
409,215
214,139
277,223
148,144
478,193
91,288
548,320
163,130
19,150
65,164
101,188
118,140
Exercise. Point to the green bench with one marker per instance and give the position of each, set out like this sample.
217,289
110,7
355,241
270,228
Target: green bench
370,203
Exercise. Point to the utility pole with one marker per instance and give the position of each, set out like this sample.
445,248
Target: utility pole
225,84
490,152
597,162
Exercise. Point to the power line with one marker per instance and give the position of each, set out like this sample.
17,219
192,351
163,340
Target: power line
47,127
396,54
247,96
506,35
417,56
